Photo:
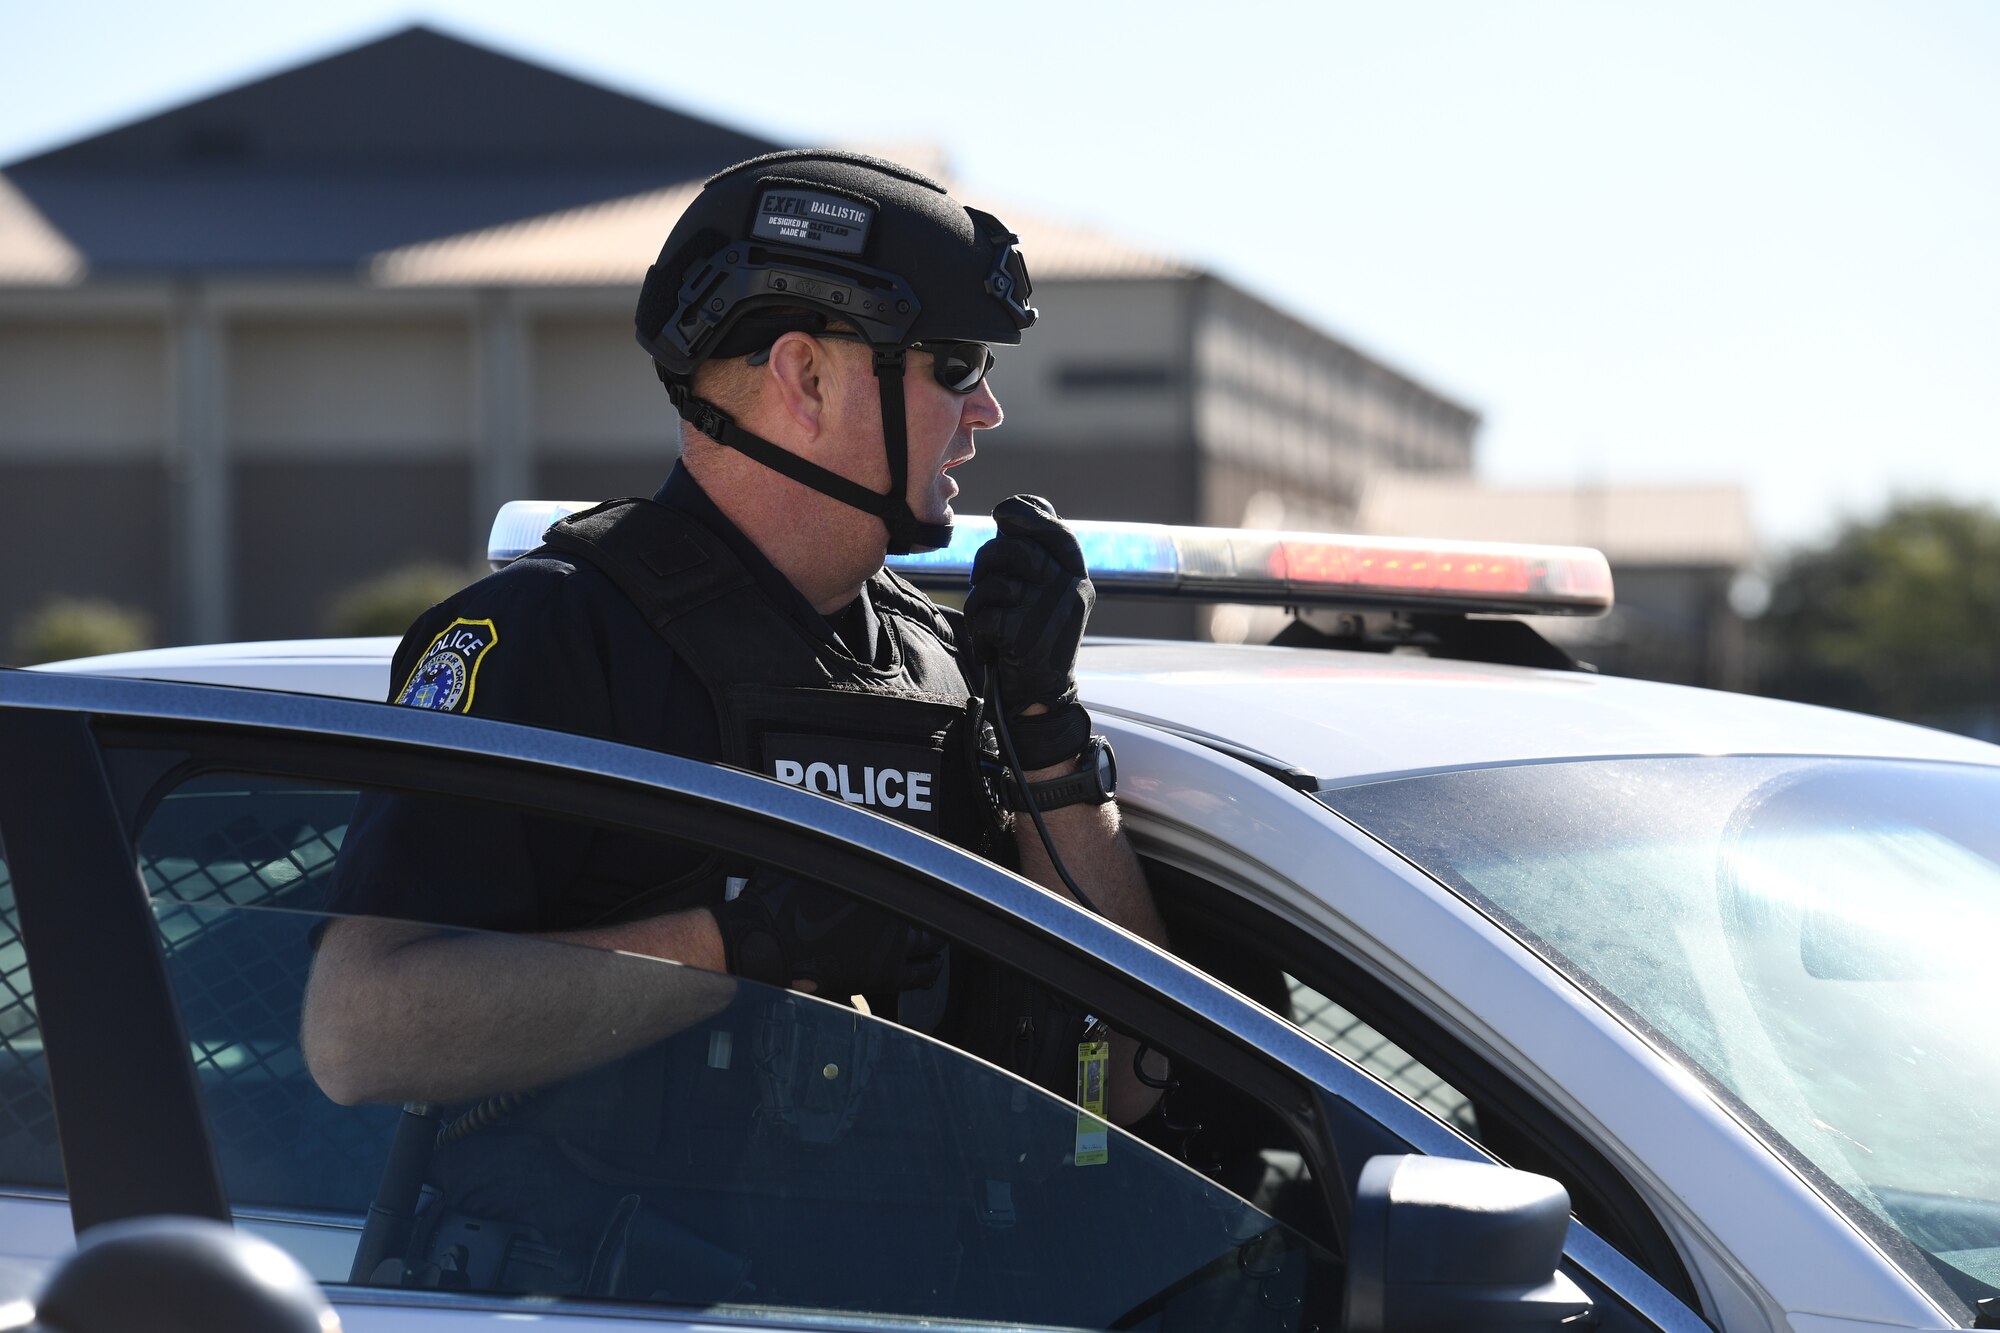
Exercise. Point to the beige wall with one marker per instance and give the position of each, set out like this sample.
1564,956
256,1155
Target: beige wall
349,388
600,424
593,393
75,391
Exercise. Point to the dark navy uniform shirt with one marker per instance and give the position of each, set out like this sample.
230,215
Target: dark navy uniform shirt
553,643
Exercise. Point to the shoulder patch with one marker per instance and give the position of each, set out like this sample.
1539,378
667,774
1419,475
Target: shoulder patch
444,676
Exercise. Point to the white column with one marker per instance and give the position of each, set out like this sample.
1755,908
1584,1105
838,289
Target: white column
203,542
502,465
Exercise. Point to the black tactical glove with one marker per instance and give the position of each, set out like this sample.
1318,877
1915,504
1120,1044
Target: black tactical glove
1030,600
779,930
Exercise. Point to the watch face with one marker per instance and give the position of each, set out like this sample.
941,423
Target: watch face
1107,766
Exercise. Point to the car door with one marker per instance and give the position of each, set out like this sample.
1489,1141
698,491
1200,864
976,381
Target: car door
166,1009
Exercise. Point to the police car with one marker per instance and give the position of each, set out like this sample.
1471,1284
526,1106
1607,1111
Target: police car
1720,967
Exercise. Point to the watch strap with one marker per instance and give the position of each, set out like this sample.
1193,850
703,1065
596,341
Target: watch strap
1085,784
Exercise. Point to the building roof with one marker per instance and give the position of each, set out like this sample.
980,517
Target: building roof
1633,525
412,136
421,160
33,253
611,243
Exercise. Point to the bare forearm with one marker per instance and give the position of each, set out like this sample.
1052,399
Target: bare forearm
402,1012
681,937
1091,842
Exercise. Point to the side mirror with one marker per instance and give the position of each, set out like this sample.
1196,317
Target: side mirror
1443,1246
179,1275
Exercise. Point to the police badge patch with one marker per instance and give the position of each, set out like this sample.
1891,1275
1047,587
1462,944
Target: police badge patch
448,670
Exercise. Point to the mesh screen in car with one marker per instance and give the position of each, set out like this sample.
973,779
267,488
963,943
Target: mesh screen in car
1339,1028
29,1156
213,847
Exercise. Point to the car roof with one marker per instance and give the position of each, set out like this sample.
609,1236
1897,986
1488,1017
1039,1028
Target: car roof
1343,717
350,668
1346,717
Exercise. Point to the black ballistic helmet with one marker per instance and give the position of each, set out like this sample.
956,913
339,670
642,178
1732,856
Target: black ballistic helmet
800,240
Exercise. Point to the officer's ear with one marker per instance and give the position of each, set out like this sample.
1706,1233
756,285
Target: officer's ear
799,379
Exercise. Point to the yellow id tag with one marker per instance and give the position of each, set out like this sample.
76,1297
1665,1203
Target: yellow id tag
1093,1136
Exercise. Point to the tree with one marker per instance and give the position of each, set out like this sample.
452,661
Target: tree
1899,615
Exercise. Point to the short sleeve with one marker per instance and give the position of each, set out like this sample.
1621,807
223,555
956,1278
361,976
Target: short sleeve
516,647
524,645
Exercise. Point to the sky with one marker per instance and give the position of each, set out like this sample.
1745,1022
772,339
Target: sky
1651,242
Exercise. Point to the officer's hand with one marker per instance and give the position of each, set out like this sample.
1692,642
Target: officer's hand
1031,598
782,930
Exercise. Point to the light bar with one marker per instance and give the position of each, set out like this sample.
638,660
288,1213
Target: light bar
1306,569
1298,569
518,527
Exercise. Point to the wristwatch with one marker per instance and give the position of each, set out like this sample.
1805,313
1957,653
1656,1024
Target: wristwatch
1095,781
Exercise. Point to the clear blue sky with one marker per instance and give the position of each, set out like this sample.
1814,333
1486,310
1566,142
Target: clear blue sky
1681,241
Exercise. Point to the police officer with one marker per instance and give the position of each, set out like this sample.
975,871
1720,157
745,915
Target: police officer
821,322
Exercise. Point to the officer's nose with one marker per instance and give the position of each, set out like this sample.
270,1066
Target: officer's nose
981,410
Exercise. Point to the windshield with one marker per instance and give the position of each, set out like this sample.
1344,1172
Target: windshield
1815,937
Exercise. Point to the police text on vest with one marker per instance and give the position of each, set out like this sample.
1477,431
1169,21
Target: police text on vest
891,788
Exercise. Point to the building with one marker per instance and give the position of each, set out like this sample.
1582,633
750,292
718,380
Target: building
266,344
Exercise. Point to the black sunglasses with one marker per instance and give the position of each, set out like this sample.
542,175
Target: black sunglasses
959,365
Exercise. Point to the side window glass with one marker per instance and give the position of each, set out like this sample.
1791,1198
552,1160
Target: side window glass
1242,945
30,1157
1277,964
1341,1029
598,1124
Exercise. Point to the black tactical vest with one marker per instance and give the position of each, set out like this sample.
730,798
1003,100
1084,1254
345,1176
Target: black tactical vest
903,739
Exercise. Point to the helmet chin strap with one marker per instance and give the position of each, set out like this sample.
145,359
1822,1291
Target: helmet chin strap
908,534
